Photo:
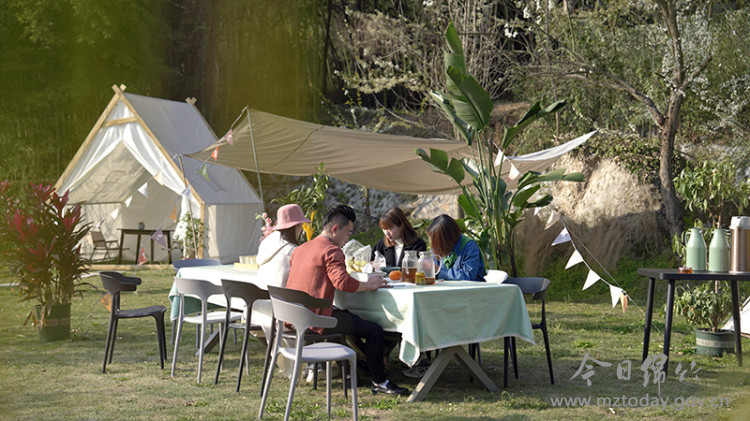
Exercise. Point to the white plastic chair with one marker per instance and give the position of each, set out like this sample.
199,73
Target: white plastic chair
202,290
302,319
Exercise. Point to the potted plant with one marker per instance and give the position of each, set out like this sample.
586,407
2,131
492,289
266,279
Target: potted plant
705,307
192,240
41,239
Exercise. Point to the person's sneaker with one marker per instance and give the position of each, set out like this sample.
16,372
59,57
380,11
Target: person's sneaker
415,372
389,388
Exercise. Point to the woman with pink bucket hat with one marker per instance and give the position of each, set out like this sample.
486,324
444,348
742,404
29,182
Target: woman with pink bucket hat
277,246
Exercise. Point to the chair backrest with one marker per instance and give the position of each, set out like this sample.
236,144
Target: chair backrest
298,315
297,296
187,263
115,282
97,237
534,286
494,276
197,288
243,290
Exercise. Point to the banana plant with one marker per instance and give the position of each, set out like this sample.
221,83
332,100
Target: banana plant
492,211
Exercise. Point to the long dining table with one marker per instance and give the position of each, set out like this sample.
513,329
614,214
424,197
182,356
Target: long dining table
442,317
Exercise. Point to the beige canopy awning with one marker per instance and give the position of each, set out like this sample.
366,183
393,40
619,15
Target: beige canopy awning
286,146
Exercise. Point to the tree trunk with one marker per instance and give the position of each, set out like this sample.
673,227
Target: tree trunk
668,134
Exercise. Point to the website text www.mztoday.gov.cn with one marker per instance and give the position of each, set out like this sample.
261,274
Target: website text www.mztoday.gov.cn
645,401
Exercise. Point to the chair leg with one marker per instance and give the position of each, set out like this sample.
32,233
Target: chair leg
514,356
549,354
353,369
328,388
112,343
222,346
160,337
106,347
506,345
315,376
266,360
268,376
243,356
201,350
292,387
176,345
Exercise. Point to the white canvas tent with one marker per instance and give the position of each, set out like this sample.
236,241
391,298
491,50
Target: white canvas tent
140,141
272,144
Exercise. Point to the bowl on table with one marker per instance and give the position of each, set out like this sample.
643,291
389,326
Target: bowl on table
389,269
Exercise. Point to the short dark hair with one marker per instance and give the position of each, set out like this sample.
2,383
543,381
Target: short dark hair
444,234
339,215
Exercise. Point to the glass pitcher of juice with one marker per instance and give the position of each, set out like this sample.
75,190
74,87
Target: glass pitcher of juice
409,266
428,266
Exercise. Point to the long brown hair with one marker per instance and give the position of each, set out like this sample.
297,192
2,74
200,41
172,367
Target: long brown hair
396,217
287,234
444,234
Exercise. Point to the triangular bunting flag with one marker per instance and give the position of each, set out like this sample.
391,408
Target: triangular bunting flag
553,217
186,192
624,301
106,300
537,210
173,214
158,236
591,279
204,172
142,256
563,237
615,293
99,224
229,137
159,177
143,189
575,259
514,173
128,200
114,213
215,153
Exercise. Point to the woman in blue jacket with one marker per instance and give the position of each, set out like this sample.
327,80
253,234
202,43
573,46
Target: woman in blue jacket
462,258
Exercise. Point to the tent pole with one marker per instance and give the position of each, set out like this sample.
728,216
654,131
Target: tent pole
255,156
190,207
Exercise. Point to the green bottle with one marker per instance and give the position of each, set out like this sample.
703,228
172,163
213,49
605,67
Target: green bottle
718,251
695,249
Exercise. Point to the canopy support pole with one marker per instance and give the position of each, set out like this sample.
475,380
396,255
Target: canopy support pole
255,157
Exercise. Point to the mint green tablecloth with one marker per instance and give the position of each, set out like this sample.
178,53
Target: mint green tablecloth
442,315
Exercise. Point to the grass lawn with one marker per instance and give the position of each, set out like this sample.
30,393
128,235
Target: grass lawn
63,380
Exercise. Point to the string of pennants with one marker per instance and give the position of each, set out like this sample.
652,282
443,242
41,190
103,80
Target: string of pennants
617,294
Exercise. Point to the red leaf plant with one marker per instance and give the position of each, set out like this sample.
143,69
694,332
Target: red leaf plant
40,238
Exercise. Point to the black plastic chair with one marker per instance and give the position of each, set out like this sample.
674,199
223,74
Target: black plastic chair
248,293
310,302
115,283
537,289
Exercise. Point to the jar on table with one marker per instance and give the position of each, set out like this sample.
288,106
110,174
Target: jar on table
409,266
